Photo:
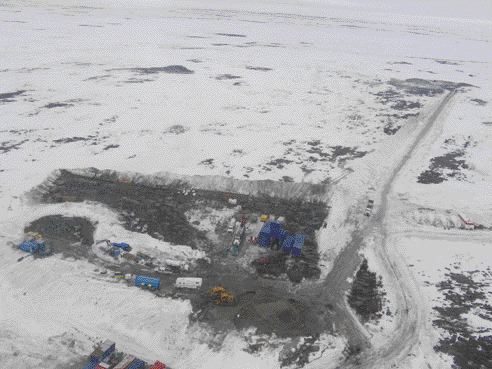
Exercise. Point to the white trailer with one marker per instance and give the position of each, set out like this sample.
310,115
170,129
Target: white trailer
192,283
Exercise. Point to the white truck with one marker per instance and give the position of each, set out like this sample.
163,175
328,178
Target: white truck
191,283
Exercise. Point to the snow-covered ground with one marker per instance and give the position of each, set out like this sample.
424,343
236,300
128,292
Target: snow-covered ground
284,90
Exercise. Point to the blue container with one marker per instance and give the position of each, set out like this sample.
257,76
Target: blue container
287,244
30,246
115,252
264,237
149,282
90,365
275,229
136,364
121,245
297,246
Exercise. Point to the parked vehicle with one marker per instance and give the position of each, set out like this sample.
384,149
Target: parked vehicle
192,283
370,206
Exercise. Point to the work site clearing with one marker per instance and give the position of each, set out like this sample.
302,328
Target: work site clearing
245,185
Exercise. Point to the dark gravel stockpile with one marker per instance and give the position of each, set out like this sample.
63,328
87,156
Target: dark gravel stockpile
366,296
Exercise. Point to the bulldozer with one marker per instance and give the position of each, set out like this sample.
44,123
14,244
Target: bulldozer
220,296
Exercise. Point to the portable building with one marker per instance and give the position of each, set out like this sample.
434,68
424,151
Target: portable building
90,365
192,283
297,245
136,364
147,282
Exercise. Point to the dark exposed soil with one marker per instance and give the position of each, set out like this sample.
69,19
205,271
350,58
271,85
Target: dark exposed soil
226,76
262,69
71,236
469,347
58,105
171,69
9,96
479,102
74,139
230,34
6,146
366,296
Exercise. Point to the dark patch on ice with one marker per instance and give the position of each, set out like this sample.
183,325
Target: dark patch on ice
449,165
90,25
487,123
400,62
97,78
195,61
74,139
219,44
170,69
139,80
230,34
262,69
7,146
221,77
366,296
208,162
423,87
58,105
193,36
9,96
479,102
464,293
446,62
279,163
111,147
176,129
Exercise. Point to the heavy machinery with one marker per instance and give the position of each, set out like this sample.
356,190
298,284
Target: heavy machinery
220,296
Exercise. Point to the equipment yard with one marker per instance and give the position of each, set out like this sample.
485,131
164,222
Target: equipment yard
245,184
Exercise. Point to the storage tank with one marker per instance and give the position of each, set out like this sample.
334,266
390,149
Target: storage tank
147,282
298,243
264,237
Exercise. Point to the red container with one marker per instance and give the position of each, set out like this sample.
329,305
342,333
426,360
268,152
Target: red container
158,365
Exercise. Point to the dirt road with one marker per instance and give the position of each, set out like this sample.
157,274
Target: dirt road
337,283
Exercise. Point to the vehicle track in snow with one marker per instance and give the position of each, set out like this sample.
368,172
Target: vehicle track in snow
409,316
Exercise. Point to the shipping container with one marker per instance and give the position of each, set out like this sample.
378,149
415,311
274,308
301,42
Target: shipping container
264,237
137,364
287,244
125,362
147,282
158,365
298,243
193,283
90,365
107,347
103,366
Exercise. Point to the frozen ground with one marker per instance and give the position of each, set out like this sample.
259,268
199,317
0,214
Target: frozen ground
313,91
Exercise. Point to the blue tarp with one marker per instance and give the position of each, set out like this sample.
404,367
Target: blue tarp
32,246
121,245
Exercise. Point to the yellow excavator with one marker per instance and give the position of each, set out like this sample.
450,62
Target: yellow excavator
220,296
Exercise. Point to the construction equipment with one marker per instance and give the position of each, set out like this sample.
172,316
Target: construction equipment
220,296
